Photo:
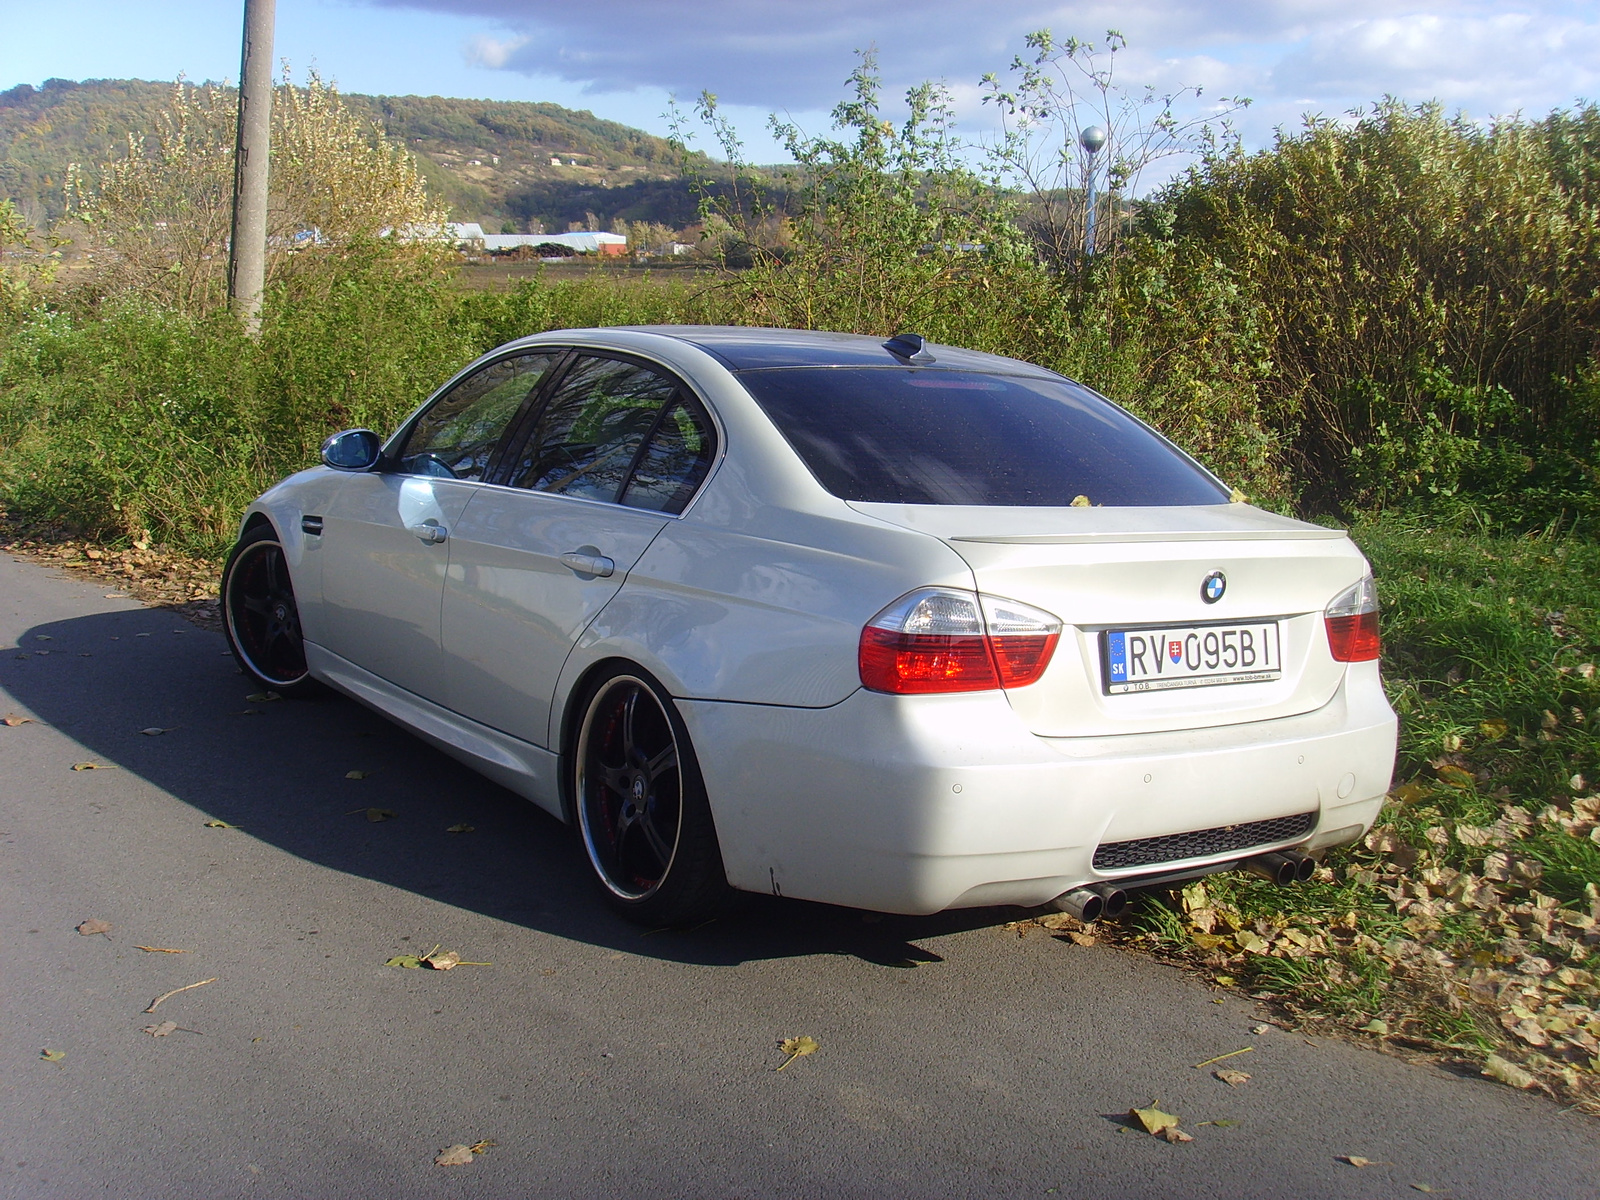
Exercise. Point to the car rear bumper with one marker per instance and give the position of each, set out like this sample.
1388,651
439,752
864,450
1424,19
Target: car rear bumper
920,803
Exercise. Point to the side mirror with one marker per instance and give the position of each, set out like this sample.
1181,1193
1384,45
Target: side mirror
352,450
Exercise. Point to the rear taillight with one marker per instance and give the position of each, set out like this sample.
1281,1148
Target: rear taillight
943,640
1352,622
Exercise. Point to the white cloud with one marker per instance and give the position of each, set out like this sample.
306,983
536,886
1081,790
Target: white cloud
494,53
1290,55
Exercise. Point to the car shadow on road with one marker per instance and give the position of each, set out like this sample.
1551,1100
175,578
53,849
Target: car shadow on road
279,770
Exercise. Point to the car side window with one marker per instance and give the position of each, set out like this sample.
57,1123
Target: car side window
591,428
456,436
674,461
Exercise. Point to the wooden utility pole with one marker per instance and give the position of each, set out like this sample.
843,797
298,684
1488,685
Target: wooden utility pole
247,250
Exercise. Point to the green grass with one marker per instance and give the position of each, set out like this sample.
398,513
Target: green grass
1489,646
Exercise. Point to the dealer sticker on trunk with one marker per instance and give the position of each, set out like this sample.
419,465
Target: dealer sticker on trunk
1150,660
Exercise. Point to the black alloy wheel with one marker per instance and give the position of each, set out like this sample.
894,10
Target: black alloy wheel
259,615
641,808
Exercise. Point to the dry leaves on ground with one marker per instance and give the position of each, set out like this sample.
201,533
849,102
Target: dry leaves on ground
374,814
162,1030
93,926
434,960
157,577
219,825
93,766
460,1154
11,720
52,1055
1160,1124
357,774
797,1047
1232,1078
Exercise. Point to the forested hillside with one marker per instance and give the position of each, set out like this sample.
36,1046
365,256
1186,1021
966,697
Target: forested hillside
487,160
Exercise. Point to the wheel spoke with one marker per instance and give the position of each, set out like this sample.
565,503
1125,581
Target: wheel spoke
615,778
256,604
652,836
630,710
663,762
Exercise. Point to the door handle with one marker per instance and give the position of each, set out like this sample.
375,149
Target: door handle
589,564
430,531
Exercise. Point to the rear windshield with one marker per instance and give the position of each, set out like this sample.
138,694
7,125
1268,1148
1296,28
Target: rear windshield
895,435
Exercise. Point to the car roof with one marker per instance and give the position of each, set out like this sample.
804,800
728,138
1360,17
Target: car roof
743,349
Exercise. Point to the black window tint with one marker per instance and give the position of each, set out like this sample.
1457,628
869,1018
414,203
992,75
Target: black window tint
591,427
910,436
674,461
455,437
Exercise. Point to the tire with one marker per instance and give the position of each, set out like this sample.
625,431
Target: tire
640,805
259,616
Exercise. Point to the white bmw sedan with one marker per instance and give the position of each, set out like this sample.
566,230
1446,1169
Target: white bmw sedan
885,624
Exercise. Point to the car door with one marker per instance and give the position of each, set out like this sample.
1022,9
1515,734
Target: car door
615,449
386,535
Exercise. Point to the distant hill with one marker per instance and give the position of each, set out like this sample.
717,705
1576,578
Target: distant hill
493,161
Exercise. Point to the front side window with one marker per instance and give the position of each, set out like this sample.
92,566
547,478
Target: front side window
931,436
590,431
456,436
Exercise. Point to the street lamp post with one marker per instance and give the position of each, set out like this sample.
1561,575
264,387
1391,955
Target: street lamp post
1092,140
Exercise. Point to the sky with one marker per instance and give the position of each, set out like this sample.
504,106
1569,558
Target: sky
625,59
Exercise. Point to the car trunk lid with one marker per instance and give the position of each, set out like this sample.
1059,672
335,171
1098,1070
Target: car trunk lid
1142,571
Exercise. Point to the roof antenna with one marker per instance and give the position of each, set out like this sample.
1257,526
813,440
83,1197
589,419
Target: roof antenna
908,346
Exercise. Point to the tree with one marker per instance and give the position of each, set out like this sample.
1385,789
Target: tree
157,219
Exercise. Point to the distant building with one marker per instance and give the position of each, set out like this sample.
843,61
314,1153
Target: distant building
606,245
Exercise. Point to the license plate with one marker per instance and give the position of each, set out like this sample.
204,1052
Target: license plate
1152,660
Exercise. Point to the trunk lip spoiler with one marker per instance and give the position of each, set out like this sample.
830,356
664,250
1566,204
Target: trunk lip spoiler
1310,533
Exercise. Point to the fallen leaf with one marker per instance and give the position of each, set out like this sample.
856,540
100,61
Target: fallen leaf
373,814
1078,938
219,825
797,1047
1454,776
1154,1120
1421,1187
52,1055
357,774
442,960
1494,728
254,697
1080,502
1175,1135
169,995
93,766
1224,1123
162,950
458,1155
459,829
1232,1078
1258,1030
11,720
161,1030
403,960
1377,1026
1507,1073
156,731
93,926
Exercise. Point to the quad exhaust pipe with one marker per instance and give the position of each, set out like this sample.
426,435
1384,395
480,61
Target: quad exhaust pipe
1091,903
1282,867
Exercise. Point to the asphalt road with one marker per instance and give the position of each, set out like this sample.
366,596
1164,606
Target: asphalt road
600,1060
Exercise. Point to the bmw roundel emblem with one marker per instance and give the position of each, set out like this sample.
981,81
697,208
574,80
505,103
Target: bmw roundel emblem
1212,587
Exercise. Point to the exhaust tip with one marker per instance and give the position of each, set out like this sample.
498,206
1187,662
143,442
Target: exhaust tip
1305,868
1115,900
1282,869
1088,906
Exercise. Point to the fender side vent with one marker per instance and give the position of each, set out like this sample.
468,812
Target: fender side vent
1202,843
311,525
